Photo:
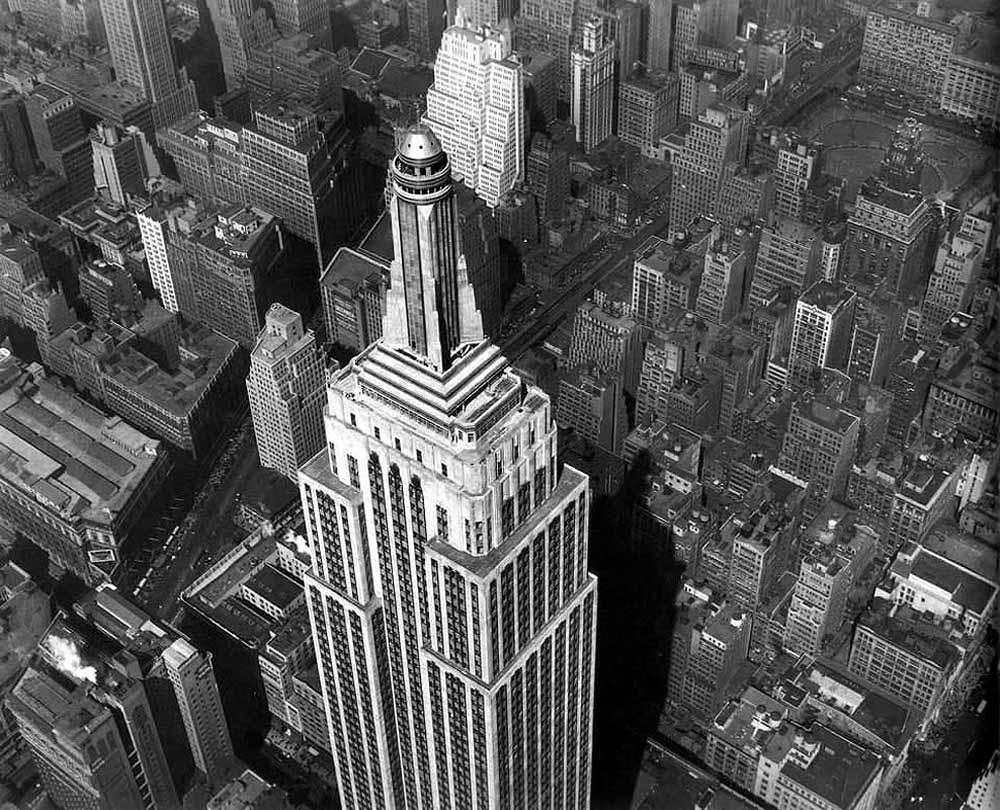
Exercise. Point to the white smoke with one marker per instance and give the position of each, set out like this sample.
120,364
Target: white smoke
68,660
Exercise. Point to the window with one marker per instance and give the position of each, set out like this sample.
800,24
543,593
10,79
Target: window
354,420
378,434
420,457
398,446
444,469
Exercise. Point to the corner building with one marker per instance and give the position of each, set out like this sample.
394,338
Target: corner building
452,611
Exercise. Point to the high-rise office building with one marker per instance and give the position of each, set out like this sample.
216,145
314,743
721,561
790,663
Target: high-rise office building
660,34
721,290
608,338
709,642
476,109
304,17
818,449
890,233
286,386
67,703
241,27
906,50
592,98
440,693
647,108
788,256
16,153
352,289
425,20
289,172
220,266
193,679
123,162
142,53
61,139
293,69
956,266
547,178
716,139
822,330
554,26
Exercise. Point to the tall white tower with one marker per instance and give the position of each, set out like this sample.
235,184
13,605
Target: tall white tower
593,87
452,610
476,108
285,388
143,55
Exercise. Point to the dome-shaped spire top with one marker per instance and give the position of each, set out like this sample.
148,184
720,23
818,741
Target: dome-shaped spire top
418,143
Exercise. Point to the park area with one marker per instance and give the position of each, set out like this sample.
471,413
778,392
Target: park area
855,140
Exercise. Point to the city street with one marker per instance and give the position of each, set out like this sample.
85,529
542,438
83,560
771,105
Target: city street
569,299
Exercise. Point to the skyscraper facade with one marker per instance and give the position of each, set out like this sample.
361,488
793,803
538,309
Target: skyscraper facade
285,387
452,611
821,333
142,54
476,109
716,139
593,85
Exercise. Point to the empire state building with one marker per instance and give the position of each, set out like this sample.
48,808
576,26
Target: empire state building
452,612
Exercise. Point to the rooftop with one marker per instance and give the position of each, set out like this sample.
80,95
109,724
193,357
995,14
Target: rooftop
905,628
71,456
354,268
274,586
840,771
967,590
178,392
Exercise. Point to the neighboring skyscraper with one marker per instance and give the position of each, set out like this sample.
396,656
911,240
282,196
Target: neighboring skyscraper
660,32
286,386
426,667
476,109
593,86
716,139
305,17
240,27
709,643
425,20
818,449
821,333
956,267
67,703
607,337
788,256
554,26
61,139
143,55
191,674
353,291
907,51
548,178
647,108
220,267
889,234
721,288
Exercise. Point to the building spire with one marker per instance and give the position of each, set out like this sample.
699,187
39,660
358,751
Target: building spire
430,306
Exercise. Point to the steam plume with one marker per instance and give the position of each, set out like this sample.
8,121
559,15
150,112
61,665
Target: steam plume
67,659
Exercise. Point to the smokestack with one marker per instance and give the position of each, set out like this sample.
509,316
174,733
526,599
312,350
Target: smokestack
67,659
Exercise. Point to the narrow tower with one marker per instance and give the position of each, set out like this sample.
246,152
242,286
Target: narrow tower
452,611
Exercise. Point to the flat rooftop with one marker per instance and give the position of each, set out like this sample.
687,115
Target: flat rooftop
840,771
274,586
73,457
353,268
178,392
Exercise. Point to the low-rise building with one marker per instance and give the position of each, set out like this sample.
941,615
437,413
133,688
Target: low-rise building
73,480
